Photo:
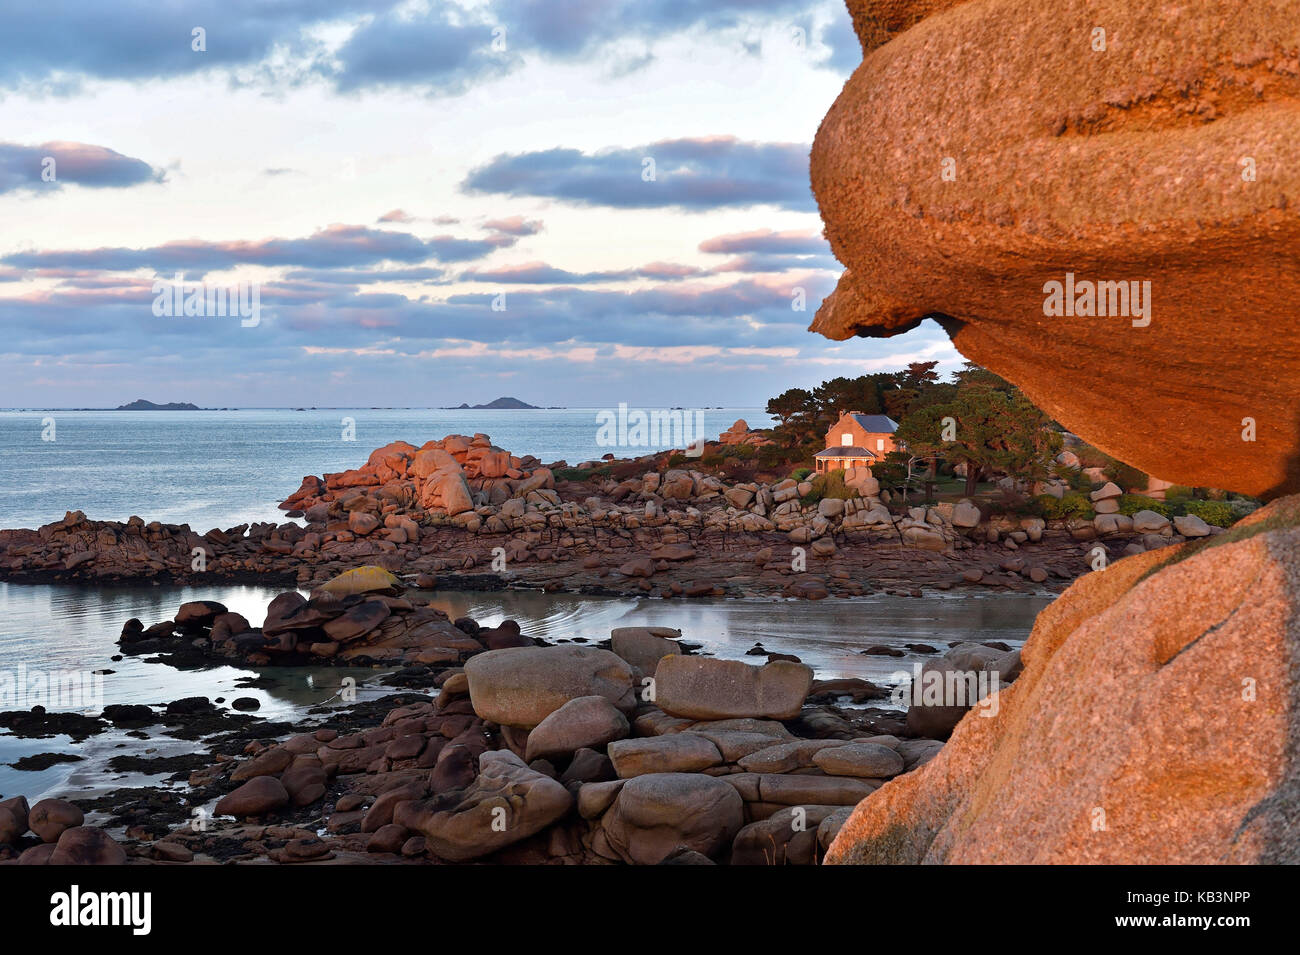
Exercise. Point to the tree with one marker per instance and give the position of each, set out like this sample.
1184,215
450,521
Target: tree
839,395
790,405
920,375
985,428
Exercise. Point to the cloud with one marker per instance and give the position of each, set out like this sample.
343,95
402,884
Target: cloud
515,225
366,276
94,167
690,174
401,216
539,273
764,250
139,39
793,242
780,263
839,36
444,51
441,47
338,246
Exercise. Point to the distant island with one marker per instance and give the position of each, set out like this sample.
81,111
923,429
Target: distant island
508,403
141,405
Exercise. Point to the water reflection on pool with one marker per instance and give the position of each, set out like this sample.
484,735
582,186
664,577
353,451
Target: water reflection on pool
55,627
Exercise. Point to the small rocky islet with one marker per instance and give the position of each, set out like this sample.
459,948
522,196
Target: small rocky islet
465,513
635,750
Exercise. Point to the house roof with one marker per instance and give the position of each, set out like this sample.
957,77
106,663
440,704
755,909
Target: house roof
854,452
875,423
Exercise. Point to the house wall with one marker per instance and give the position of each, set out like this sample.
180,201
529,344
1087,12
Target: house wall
878,444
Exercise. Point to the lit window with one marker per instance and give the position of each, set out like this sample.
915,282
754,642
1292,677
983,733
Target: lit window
880,444
846,440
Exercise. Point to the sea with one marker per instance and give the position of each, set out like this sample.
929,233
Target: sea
221,468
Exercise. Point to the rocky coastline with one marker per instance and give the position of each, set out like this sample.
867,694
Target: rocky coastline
496,748
469,515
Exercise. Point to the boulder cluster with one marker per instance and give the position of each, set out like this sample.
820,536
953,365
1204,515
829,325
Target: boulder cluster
573,754
741,433
63,839
636,751
357,618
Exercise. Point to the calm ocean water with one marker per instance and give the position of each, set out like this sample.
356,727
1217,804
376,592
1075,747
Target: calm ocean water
219,468
60,628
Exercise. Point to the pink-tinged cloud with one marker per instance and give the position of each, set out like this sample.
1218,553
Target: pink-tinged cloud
337,246
50,166
792,242
540,273
514,225
668,270
401,216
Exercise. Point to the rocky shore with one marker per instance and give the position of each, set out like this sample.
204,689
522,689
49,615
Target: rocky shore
635,750
460,512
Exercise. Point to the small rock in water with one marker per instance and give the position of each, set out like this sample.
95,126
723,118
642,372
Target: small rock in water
246,704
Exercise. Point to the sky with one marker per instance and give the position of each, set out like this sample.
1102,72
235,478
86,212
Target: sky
572,202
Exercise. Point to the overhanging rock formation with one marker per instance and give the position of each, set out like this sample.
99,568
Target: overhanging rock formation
985,149
1155,722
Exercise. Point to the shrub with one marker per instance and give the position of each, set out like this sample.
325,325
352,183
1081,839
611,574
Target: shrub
1127,476
1218,513
1241,506
1018,504
628,469
1071,504
828,484
832,485
677,460
574,474
800,473
738,471
1130,504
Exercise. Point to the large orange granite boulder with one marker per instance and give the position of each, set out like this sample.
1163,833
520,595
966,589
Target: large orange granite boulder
1156,721
986,149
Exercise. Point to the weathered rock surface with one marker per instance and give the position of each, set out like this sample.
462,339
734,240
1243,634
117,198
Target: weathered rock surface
521,686
258,796
644,647
655,814
507,802
83,845
953,683
703,688
588,721
1162,158
1155,722
50,818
